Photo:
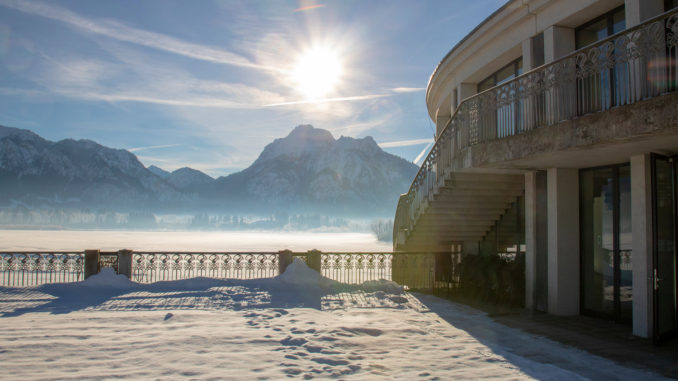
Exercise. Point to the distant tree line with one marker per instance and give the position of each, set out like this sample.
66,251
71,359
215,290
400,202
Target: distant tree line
383,229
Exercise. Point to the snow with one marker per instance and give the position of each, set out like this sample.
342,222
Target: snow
297,325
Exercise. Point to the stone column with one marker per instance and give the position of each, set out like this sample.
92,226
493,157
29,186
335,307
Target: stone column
558,42
313,260
530,238
528,60
284,260
641,219
467,90
125,263
563,241
91,263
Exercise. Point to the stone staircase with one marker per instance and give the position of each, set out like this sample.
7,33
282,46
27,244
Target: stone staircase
463,207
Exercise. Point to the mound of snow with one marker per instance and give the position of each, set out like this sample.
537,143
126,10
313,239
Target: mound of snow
299,274
107,278
381,285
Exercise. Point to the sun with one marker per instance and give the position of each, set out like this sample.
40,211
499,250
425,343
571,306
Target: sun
317,72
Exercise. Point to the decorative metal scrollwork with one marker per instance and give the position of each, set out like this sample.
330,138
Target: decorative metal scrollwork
151,267
356,267
32,269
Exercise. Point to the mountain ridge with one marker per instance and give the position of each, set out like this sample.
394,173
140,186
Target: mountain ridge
306,170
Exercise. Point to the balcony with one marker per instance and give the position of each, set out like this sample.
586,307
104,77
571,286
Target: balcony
591,107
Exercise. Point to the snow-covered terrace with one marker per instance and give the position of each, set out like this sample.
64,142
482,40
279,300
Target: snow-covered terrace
298,325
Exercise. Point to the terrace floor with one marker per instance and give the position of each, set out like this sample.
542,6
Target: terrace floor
600,337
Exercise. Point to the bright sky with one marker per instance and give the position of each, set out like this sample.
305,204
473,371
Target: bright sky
208,84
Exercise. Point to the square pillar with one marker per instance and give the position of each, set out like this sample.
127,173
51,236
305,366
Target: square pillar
125,263
441,122
536,245
530,238
637,11
641,230
558,42
284,259
91,263
313,260
528,60
563,241
467,90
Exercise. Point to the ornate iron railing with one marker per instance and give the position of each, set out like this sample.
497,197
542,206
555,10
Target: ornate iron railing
32,269
19,269
356,267
148,267
630,66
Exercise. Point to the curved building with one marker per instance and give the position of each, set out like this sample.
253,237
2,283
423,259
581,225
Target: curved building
556,131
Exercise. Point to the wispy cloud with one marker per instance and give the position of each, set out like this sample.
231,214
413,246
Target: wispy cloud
328,100
137,149
309,7
136,81
408,89
118,31
421,154
392,92
405,143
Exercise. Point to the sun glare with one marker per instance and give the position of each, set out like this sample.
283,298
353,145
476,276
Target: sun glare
317,72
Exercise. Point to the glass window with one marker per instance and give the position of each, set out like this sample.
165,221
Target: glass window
618,20
488,83
600,27
670,4
625,245
606,242
597,242
502,75
590,33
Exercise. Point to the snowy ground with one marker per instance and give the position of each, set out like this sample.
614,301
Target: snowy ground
297,325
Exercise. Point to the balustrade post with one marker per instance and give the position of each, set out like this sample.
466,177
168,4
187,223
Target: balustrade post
91,262
125,263
313,260
284,260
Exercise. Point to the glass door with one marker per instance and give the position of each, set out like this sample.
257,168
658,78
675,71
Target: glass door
606,246
664,247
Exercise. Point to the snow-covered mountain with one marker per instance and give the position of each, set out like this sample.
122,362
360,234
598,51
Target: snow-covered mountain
188,179
309,169
75,172
163,174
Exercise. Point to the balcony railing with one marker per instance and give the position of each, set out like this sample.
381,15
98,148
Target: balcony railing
633,65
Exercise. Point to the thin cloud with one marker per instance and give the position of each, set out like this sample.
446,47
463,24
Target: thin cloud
328,100
405,143
392,92
408,89
309,7
137,149
422,153
122,32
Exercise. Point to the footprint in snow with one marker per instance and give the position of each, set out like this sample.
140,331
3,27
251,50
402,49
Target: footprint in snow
168,316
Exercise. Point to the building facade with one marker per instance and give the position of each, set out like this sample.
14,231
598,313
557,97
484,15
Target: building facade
556,131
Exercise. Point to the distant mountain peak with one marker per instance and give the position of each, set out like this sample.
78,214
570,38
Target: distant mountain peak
307,132
302,140
188,179
158,171
310,169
